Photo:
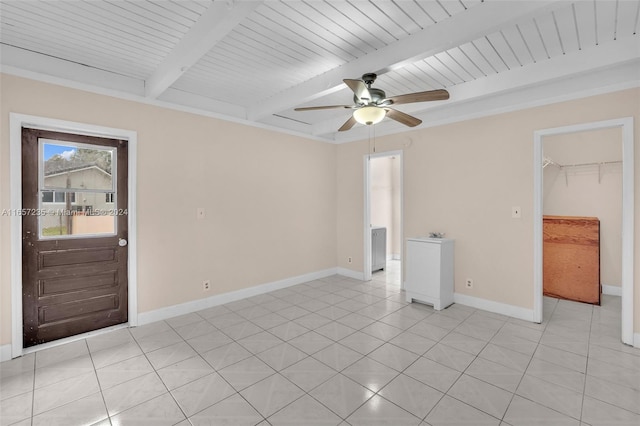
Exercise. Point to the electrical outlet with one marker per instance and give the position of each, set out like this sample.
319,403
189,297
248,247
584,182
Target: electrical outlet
516,212
206,285
469,283
349,260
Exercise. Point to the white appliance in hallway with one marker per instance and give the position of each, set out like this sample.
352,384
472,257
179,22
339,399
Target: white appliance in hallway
378,248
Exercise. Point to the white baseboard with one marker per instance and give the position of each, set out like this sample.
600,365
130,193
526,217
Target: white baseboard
636,340
356,275
219,299
197,305
612,290
5,352
495,307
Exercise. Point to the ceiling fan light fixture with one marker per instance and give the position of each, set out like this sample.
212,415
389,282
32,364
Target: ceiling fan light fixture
371,104
369,115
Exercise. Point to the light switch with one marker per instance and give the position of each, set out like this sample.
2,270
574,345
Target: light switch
200,213
516,213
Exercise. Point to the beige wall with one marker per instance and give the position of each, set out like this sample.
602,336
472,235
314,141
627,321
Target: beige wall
589,190
463,179
270,198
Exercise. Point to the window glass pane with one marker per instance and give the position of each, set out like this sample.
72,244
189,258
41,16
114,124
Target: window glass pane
86,214
77,187
77,167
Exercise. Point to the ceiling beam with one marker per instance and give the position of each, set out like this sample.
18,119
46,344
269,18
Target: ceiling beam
48,68
602,81
202,103
214,24
461,28
606,56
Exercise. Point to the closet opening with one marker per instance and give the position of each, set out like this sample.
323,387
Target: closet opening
583,219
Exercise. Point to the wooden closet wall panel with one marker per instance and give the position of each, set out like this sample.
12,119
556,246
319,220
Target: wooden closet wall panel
571,266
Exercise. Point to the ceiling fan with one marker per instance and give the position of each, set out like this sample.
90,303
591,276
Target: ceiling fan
371,104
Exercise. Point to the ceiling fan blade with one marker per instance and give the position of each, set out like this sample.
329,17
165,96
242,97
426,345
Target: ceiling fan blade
348,124
313,108
359,89
430,95
403,118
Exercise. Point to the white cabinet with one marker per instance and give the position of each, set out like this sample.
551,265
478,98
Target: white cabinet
429,271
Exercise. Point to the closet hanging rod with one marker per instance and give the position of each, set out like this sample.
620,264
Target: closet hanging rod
602,163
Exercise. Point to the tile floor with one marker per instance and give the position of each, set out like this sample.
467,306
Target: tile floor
337,351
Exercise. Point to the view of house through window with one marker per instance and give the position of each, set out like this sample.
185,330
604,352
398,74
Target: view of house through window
77,189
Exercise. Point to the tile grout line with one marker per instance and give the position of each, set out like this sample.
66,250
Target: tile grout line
424,419
276,371
33,389
305,393
237,392
529,363
337,372
95,373
525,371
375,393
155,370
586,368
463,372
66,403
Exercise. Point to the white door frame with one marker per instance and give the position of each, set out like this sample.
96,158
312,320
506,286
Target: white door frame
627,215
367,211
17,122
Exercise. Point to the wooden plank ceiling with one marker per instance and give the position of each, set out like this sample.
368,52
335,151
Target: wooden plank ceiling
256,61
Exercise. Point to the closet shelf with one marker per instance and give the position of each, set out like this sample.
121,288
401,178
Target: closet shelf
566,167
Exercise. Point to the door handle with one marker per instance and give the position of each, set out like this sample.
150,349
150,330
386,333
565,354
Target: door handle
122,242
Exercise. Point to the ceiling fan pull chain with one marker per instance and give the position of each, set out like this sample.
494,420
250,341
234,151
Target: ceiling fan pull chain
373,130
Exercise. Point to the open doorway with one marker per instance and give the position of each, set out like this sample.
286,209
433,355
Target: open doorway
383,218
571,165
582,215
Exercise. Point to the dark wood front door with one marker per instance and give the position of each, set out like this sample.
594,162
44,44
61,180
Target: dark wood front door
74,234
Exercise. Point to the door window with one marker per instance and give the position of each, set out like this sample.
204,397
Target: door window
78,194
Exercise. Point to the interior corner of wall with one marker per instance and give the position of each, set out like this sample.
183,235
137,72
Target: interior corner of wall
350,273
